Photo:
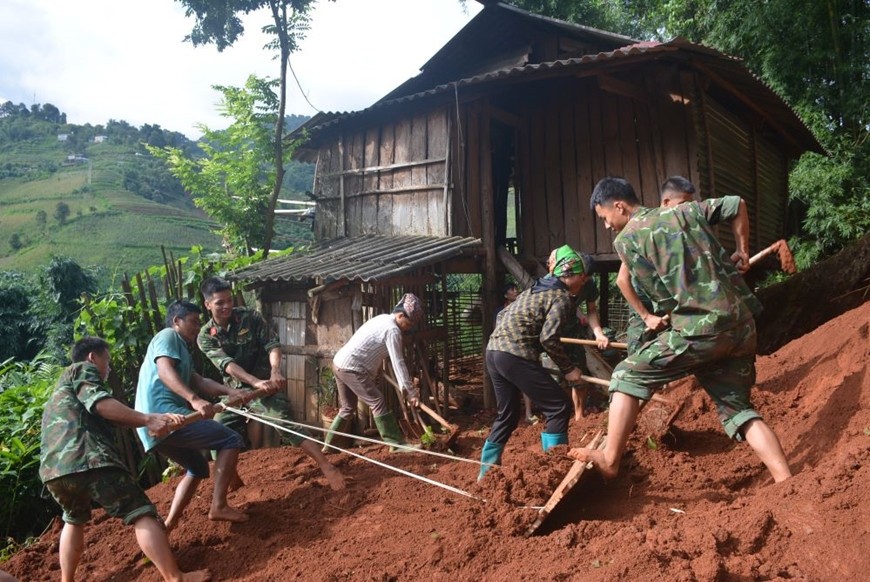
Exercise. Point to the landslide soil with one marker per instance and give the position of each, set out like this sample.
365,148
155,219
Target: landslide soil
687,505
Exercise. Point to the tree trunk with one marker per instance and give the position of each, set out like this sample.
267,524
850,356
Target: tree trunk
279,15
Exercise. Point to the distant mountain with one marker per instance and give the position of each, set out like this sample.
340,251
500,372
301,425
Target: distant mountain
93,193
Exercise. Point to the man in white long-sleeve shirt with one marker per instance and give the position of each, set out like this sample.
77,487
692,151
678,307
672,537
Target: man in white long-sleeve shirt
357,363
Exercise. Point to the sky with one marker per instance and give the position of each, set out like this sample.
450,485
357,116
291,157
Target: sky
98,60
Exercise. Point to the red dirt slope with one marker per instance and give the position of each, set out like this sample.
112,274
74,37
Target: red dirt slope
695,507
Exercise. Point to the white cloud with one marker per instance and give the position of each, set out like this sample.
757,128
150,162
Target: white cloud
116,59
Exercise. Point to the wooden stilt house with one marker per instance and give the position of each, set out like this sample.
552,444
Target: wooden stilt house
490,155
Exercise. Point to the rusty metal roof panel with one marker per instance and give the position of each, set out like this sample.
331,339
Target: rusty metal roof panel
365,258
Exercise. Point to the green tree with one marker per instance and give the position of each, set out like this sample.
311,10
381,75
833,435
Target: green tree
41,219
233,180
61,212
219,23
60,287
17,340
15,241
24,389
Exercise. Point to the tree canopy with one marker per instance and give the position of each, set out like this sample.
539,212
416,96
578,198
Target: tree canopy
219,23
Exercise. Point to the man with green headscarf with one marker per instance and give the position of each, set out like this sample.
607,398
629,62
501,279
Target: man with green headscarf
533,324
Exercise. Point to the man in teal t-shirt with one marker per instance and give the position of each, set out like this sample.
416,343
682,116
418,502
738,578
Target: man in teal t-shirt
168,383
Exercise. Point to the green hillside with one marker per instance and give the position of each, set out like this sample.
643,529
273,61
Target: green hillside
107,225
107,204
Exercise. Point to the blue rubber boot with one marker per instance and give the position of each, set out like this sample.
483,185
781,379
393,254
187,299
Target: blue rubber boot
550,440
491,454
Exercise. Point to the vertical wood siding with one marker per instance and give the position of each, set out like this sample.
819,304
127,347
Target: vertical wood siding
643,124
391,177
290,319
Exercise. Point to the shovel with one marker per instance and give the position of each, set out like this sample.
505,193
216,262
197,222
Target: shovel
454,429
405,422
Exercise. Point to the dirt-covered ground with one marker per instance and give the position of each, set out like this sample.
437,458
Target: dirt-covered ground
689,506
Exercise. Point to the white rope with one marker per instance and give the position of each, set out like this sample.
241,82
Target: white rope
450,488
362,438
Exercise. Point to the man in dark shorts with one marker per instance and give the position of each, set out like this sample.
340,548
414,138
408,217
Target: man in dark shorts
80,462
678,263
247,352
168,383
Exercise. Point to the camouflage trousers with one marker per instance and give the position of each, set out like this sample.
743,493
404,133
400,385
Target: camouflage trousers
111,488
276,406
724,365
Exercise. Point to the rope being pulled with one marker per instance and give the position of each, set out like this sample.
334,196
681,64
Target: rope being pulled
268,421
356,437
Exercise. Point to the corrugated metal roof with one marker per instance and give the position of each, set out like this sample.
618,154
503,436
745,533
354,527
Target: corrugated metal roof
365,258
730,70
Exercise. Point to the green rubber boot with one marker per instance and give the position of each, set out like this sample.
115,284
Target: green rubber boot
391,433
340,424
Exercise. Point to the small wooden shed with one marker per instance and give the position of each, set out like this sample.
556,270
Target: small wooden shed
515,119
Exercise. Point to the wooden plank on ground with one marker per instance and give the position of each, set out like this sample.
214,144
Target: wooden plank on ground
575,473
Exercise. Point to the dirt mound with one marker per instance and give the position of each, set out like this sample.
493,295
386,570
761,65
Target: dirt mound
689,506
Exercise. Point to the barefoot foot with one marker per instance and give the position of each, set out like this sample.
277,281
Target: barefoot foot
196,576
227,514
333,477
597,459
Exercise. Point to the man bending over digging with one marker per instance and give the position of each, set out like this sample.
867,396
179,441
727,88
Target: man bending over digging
676,260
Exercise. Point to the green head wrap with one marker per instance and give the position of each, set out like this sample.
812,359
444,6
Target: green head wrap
569,262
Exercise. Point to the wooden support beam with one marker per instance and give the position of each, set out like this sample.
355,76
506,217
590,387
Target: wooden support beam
515,268
389,167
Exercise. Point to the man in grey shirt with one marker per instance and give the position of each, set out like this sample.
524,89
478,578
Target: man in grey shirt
357,363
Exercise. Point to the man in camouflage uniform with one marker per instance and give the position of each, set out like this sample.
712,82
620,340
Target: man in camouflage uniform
247,352
675,190
679,264
80,461
532,324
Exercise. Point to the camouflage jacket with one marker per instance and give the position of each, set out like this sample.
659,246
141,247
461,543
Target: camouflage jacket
536,321
247,341
74,437
676,260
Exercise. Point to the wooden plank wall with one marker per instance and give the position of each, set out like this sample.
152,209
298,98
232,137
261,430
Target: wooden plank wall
579,133
772,187
391,178
290,318
731,152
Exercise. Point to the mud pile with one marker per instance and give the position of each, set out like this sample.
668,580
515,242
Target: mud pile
690,505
